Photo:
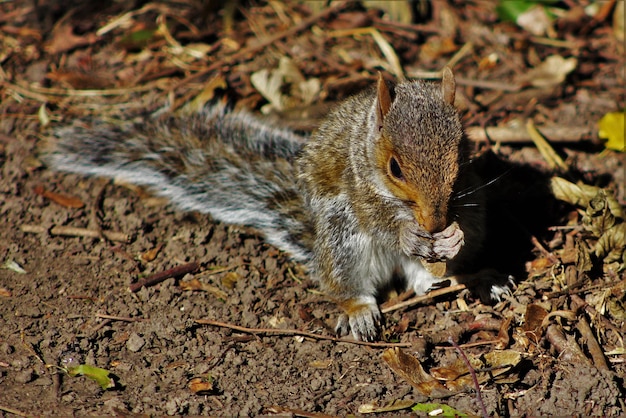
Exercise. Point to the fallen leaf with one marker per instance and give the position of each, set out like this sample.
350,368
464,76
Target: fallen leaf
4,292
411,370
64,39
13,266
581,194
196,284
101,376
611,128
201,386
150,255
438,410
320,364
230,279
272,84
61,199
551,72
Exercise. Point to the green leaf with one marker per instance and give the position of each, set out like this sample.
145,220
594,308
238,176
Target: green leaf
101,376
510,10
443,410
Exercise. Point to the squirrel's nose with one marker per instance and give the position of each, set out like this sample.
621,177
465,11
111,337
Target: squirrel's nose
431,220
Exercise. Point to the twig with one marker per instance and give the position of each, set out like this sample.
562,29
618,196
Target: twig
38,93
479,397
567,348
553,259
595,315
164,275
12,411
70,231
291,332
120,318
592,344
553,159
422,298
517,134
95,208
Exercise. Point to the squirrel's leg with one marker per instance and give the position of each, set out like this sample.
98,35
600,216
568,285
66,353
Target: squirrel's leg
417,277
351,267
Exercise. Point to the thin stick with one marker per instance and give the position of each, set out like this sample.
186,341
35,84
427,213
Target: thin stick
12,411
70,231
291,332
553,259
422,298
164,275
479,397
592,344
120,318
517,134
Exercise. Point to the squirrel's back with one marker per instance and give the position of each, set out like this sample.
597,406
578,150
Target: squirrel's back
228,164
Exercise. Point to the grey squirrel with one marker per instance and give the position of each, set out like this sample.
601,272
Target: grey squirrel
381,187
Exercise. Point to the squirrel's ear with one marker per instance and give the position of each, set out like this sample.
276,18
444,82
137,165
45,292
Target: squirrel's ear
448,85
383,100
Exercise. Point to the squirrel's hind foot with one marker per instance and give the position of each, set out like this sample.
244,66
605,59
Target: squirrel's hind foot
362,317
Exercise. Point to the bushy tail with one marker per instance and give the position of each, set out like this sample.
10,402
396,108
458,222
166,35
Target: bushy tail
227,164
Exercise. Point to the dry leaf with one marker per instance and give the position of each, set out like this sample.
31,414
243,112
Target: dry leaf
201,386
612,245
230,279
320,364
13,266
150,255
196,284
581,194
64,39
502,360
551,72
4,292
63,200
583,257
410,369
271,84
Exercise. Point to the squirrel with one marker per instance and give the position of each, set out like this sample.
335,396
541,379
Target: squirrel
383,186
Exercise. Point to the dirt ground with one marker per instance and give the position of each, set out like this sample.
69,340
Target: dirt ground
71,304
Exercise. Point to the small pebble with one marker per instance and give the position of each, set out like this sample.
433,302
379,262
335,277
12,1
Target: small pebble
135,342
25,376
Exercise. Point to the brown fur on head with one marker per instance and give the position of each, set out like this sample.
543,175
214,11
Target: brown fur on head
418,149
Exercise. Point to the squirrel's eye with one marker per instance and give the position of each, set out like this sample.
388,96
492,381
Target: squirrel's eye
394,168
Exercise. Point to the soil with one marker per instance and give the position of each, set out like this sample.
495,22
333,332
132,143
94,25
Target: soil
71,304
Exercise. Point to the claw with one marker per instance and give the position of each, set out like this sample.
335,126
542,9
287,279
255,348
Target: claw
448,242
362,319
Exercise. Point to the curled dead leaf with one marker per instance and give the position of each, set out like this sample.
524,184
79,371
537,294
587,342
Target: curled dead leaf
581,194
195,284
411,370
150,255
201,386
612,245
551,72
61,199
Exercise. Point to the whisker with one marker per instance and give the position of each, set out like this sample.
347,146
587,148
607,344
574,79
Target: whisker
466,205
468,191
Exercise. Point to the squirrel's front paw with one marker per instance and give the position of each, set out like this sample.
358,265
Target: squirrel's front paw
448,242
362,317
